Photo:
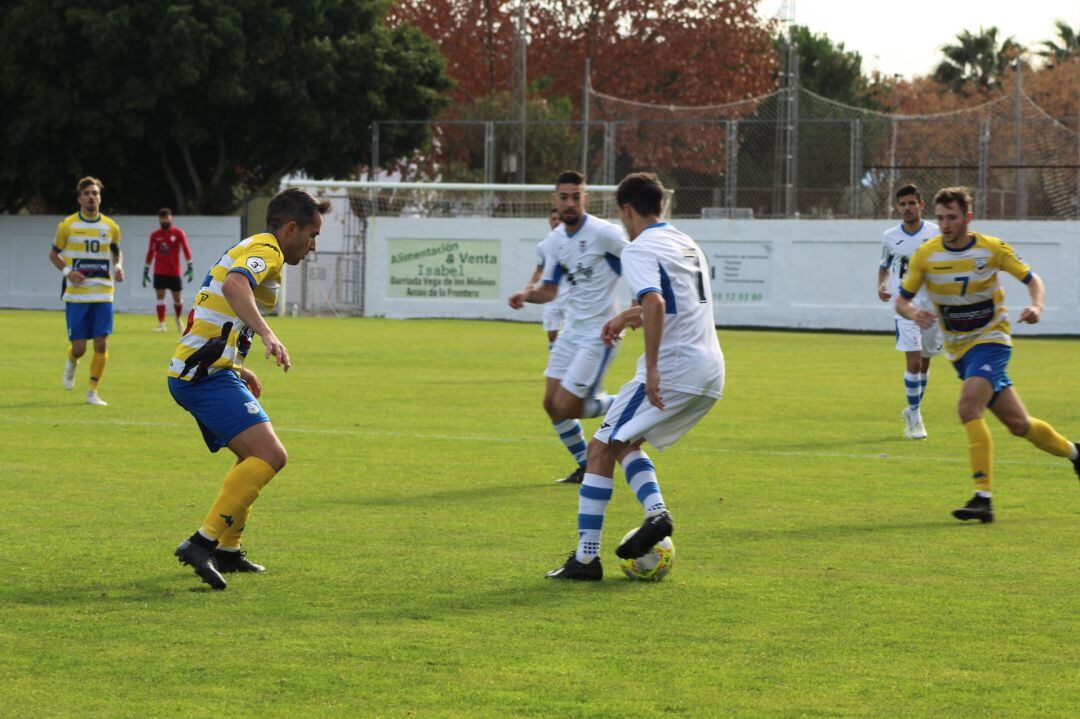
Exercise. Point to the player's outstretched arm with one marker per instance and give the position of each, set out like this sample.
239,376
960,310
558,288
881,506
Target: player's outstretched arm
533,295
237,291
1033,312
652,311
882,287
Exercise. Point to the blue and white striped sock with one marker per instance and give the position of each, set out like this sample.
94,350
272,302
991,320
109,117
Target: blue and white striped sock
597,406
573,438
641,476
923,379
913,388
593,498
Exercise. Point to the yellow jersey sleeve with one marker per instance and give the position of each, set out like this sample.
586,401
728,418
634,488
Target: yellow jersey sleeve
114,236
259,262
916,271
63,231
1010,262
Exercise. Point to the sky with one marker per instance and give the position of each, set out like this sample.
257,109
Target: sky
904,37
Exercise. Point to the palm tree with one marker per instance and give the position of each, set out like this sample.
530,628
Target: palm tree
1069,48
976,58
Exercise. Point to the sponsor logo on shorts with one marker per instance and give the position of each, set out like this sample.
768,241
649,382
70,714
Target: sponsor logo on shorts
252,407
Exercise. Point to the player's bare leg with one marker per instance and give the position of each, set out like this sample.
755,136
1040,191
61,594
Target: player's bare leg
75,352
914,365
563,409
97,369
260,456
178,309
159,307
975,394
1013,414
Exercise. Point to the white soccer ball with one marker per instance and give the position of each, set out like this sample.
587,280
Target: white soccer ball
653,565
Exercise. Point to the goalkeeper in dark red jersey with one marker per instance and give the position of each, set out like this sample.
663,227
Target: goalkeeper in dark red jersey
164,253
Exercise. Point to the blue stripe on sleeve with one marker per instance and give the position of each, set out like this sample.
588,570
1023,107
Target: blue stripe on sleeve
646,291
905,294
246,273
1027,278
667,292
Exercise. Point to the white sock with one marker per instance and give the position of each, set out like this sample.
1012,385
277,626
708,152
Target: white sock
641,476
1074,453
981,493
593,498
597,406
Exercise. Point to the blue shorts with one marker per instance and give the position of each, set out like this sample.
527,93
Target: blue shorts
87,320
987,361
222,404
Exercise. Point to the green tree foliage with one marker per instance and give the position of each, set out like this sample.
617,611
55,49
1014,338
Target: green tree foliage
193,103
827,69
977,59
1055,53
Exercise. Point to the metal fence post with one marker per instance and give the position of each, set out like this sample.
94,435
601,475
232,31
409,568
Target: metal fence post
855,177
373,167
609,153
731,167
1021,185
982,200
489,164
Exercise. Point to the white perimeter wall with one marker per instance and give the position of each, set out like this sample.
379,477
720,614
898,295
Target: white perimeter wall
773,273
29,281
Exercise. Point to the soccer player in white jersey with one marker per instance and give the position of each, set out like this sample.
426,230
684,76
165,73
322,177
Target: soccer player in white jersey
584,255
918,345
678,380
554,310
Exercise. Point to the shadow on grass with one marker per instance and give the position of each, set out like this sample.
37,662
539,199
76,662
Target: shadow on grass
87,596
943,524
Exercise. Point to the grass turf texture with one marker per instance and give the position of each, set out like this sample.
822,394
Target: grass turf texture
818,571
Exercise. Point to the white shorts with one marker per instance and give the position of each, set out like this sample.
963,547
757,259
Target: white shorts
553,317
579,365
912,338
632,416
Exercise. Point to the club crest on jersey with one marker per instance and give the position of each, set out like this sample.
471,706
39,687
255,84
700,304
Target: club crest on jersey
256,264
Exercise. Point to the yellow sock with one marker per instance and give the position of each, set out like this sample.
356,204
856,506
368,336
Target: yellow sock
71,357
240,488
230,538
980,450
97,368
1047,439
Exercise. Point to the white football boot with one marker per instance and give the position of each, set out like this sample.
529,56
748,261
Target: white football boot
909,424
918,430
69,375
92,398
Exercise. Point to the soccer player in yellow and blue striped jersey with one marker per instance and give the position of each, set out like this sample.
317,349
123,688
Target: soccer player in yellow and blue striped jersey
207,376
960,270
87,252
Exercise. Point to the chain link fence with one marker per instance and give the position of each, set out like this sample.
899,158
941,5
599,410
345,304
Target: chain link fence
788,154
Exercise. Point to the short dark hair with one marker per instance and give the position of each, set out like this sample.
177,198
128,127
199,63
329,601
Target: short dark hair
86,182
960,195
570,177
908,189
164,212
642,191
294,205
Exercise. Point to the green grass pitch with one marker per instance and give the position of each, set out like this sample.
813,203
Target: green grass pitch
818,571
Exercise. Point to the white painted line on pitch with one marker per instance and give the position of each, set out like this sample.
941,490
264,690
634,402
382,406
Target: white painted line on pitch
529,440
